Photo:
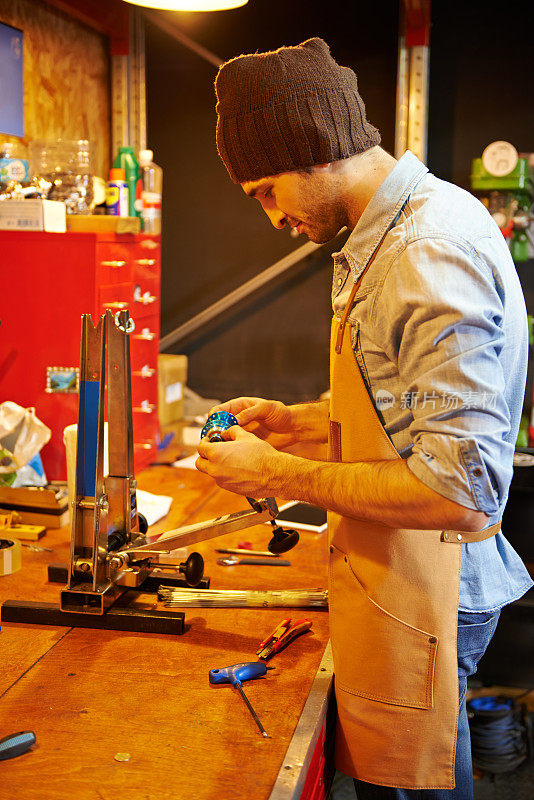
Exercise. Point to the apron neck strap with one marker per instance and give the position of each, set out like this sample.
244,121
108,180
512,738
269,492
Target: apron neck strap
350,302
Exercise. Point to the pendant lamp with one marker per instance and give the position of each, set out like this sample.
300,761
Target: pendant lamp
189,5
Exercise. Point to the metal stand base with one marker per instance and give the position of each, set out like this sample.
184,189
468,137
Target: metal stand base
59,573
117,618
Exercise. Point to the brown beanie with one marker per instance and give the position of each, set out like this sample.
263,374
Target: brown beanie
288,109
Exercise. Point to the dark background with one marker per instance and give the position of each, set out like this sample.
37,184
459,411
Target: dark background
214,238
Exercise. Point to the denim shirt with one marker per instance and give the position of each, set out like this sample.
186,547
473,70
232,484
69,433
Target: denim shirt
439,331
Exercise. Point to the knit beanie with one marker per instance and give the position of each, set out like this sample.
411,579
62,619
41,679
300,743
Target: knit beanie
288,109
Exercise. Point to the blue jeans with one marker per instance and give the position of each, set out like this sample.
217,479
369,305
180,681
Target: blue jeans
474,634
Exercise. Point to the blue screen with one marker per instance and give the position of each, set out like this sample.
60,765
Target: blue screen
11,84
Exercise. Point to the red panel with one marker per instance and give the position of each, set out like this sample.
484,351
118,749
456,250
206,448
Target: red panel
314,787
49,280
417,22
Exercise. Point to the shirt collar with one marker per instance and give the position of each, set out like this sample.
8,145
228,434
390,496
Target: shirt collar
380,212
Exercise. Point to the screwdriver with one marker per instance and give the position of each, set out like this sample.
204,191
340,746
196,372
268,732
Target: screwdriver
241,672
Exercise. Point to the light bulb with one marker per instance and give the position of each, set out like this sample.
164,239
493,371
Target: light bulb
189,5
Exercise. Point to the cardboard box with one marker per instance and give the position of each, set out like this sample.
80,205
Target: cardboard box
33,215
46,505
102,223
172,377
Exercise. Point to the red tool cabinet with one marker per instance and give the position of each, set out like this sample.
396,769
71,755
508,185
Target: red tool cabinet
47,281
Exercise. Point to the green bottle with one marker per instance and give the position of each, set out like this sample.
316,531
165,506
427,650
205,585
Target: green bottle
127,161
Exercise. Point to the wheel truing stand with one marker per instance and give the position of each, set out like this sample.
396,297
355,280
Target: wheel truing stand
109,553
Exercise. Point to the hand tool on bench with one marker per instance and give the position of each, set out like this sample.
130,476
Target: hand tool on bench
243,551
282,635
231,561
238,673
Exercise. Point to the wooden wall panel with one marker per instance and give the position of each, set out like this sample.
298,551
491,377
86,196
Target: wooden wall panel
66,78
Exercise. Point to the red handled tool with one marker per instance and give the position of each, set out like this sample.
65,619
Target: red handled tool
281,636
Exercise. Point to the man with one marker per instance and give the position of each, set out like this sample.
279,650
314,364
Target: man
428,361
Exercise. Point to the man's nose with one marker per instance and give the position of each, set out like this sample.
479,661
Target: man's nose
278,218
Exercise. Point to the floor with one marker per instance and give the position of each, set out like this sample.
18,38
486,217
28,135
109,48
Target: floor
517,785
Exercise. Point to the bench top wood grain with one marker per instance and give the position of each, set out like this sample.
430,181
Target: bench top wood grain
90,694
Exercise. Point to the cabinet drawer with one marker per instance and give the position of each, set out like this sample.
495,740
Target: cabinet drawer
114,262
144,344
145,298
145,265
145,427
144,393
143,374
115,297
145,452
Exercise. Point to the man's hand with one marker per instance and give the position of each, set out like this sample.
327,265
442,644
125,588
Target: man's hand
280,425
243,463
266,419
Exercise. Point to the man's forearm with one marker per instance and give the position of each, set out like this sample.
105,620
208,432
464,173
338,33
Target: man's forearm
386,492
310,422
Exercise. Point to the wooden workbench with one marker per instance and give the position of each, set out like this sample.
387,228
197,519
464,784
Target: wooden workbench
91,694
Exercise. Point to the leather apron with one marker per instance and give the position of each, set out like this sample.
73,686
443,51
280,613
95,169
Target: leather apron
393,600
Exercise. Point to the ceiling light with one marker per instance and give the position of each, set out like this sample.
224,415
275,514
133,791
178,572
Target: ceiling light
189,5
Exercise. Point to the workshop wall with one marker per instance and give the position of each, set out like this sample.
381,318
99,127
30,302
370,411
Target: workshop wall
66,78
215,238
275,344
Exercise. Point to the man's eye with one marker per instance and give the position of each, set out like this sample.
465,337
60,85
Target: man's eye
268,193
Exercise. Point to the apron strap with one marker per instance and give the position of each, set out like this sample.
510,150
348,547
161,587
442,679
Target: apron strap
465,537
350,301
344,318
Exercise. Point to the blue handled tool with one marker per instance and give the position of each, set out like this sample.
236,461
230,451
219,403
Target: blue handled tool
15,744
238,673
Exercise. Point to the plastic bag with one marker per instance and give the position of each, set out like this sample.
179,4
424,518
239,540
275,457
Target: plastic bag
22,435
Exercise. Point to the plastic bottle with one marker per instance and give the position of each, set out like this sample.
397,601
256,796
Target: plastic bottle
151,188
127,161
13,163
117,193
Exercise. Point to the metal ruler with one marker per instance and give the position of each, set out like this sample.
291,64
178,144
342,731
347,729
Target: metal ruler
128,91
411,123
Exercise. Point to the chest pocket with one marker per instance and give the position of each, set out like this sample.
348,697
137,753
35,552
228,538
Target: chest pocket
390,661
356,343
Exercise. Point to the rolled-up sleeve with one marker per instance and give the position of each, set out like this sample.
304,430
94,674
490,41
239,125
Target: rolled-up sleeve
446,334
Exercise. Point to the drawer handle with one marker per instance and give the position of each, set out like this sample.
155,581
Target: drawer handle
146,262
146,335
145,407
115,305
145,372
114,263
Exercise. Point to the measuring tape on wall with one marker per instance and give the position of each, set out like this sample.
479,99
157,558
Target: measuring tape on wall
10,556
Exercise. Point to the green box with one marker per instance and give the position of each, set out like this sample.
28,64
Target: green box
519,180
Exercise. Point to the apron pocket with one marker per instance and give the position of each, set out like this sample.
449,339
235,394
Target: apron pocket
376,655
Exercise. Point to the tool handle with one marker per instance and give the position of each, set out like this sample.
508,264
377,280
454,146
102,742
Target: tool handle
265,562
15,744
280,629
238,672
301,626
